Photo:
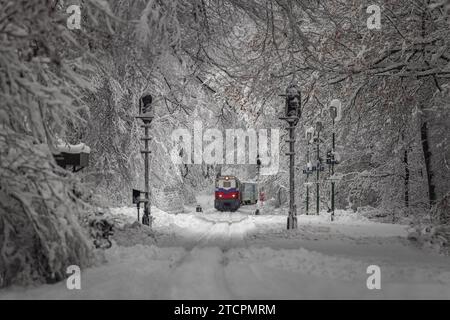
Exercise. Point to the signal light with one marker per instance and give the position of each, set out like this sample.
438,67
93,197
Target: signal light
293,101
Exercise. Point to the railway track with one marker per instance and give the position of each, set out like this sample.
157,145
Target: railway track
205,258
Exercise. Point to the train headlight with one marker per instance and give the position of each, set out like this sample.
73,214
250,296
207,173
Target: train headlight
220,196
234,196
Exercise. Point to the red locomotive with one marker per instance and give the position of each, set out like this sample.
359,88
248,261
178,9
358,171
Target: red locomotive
231,193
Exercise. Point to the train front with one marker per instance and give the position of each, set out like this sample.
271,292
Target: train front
227,193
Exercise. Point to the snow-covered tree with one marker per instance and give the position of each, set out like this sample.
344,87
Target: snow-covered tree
44,73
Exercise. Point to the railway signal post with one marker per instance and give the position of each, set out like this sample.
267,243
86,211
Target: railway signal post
292,116
258,169
309,168
319,167
146,114
335,114
258,166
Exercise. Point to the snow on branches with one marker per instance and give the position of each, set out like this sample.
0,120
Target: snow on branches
43,73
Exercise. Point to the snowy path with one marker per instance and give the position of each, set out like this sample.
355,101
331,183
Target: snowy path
241,256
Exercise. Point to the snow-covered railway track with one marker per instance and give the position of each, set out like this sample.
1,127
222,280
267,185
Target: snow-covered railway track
220,232
205,260
210,256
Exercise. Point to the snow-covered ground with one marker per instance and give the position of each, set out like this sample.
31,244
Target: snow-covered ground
214,255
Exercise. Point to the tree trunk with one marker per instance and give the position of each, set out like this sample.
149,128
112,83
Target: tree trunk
427,157
405,161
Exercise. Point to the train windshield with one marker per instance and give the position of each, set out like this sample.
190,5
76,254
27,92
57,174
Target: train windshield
223,183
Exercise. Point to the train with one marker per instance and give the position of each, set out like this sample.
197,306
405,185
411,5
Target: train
231,193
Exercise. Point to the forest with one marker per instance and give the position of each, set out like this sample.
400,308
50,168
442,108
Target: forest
77,76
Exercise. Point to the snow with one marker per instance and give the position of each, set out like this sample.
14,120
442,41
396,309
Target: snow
214,255
69,148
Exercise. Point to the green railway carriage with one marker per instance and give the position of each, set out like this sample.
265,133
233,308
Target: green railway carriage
249,193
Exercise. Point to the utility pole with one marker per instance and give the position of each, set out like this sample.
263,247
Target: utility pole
292,116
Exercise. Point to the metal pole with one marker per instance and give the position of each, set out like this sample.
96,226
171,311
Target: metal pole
307,178
292,218
291,168
332,175
292,115
146,211
307,197
146,115
318,175
258,199
146,219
